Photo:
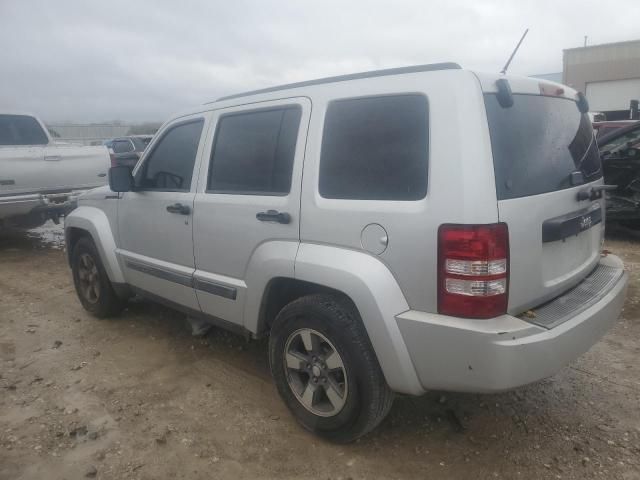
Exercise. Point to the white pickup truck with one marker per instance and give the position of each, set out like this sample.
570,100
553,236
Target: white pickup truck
40,179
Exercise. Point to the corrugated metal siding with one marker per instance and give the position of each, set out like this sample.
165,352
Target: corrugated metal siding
601,63
87,134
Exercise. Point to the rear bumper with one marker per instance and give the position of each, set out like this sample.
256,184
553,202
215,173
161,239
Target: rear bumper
48,204
505,352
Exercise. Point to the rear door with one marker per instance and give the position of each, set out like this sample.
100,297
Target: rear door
544,154
68,167
247,209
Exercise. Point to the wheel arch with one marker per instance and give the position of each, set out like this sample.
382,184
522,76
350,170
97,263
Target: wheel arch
368,284
92,222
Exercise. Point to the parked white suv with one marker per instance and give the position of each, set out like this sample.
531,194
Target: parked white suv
393,231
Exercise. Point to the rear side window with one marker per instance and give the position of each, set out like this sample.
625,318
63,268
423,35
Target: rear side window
537,143
254,151
21,130
169,167
375,148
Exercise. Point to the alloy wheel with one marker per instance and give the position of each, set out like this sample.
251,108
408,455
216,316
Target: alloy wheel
89,278
315,372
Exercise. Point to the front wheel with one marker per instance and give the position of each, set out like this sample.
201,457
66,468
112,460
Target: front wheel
325,368
91,281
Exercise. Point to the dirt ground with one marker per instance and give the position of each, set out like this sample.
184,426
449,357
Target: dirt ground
138,397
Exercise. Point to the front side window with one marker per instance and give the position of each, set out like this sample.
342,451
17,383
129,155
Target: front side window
375,148
254,151
169,167
21,130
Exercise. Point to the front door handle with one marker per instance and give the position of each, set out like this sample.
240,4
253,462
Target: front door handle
274,216
52,158
179,208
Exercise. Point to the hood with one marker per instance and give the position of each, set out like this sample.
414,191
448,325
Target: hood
96,193
615,135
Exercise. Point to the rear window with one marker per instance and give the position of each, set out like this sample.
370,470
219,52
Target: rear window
122,146
21,130
537,143
375,148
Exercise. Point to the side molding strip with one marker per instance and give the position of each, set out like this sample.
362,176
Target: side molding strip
160,273
206,286
215,289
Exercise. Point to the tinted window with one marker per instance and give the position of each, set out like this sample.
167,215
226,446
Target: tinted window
21,130
254,152
122,146
375,148
141,143
537,143
170,165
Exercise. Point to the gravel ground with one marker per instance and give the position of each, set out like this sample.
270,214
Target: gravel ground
138,397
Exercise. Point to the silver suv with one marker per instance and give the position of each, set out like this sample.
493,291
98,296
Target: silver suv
394,231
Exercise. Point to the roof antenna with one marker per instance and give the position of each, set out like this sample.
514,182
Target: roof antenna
506,65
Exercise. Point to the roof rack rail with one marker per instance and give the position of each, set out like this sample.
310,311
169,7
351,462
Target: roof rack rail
353,76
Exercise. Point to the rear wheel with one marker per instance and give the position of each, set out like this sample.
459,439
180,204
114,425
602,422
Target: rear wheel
325,368
91,281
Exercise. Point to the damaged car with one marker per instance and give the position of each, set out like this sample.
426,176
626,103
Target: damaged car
620,152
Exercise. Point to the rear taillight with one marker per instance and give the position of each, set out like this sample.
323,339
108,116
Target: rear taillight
112,156
473,270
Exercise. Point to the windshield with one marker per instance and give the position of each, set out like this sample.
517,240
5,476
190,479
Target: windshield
537,143
619,145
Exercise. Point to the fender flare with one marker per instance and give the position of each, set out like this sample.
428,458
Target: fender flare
95,222
269,260
378,298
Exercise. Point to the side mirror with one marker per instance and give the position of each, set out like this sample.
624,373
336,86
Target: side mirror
120,179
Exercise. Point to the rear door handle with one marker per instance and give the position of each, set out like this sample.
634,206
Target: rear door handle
179,208
52,158
274,216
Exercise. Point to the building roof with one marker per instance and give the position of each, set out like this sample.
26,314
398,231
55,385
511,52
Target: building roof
597,45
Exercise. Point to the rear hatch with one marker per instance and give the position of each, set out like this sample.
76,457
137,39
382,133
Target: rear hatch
544,154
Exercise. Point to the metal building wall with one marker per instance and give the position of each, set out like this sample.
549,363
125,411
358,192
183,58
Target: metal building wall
611,62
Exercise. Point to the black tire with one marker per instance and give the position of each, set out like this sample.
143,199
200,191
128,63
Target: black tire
105,303
368,398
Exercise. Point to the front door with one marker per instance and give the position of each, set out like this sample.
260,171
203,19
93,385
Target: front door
247,209
155,221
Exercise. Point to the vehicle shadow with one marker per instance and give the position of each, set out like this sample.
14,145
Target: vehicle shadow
438,423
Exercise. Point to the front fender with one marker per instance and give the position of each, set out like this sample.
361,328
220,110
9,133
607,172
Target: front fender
376,294
94,221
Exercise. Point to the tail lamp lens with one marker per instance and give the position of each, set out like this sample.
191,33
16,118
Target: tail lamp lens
473,270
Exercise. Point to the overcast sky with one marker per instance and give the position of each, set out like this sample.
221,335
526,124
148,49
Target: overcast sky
96,60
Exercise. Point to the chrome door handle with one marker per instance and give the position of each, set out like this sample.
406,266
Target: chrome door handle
179,208
52,158
274,216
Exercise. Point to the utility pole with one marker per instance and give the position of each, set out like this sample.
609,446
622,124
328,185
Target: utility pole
585,40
